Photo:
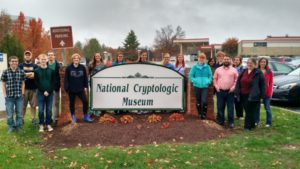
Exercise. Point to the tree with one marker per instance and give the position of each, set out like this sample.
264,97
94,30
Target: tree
163,41
5,24
131,45
78,45
12,47
19,28
230,46
91,47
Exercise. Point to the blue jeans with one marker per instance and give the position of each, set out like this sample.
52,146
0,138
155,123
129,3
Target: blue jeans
12,105
266,102
223,98
45,102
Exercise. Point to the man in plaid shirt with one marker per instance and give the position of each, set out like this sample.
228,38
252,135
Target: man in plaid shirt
13,89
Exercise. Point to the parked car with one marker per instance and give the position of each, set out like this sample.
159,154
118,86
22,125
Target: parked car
294,63
287,87
280,68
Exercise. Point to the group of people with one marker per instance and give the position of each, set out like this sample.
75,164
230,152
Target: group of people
236,87
39,85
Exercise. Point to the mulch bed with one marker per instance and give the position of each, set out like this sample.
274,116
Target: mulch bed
139,132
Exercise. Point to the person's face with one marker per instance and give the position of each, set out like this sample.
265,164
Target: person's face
76,59
167,58
120,57
263,63
250,65
98,57
237,61
27,57
144,56
43,60
220,57
180,58
201,59
51,56
226,61
212,62
13,63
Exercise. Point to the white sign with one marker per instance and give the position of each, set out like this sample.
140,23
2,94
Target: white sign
137,86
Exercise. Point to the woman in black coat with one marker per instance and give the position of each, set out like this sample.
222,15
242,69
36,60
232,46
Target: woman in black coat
250,89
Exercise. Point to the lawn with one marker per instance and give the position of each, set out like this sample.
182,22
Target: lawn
275,147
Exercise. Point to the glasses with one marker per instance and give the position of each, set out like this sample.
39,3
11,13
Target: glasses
120,56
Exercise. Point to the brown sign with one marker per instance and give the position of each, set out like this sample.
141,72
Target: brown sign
61,37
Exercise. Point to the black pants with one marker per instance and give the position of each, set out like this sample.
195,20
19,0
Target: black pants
201,95
82,97
238,108
250,109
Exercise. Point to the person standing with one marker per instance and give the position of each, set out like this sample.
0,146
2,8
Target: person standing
119,60
96,64
76,84
45,82
54,65
166,61
263,65
250,89
180,64
220,57
13,86
143,57
201,77
237,64
225,78
30,88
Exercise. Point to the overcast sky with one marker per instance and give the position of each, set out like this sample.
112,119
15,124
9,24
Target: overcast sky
110,20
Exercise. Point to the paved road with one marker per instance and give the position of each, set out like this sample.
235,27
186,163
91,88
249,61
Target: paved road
295,108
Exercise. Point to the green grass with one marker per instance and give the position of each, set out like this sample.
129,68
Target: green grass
261,148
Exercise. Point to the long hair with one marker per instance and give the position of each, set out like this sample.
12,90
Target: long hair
94,62
241,60
211,59
140,54
267,62
177,62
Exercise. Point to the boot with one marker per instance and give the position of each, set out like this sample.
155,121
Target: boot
204,111
87,118
200,113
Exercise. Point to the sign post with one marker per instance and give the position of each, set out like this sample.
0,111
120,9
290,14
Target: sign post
61,38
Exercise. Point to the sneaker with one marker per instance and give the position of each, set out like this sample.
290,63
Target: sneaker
268,125
49,128
240,118
74,119
41,128
231,125
34,122
10,130
87,118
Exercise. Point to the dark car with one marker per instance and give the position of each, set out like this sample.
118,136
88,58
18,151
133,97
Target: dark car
280,68
287,87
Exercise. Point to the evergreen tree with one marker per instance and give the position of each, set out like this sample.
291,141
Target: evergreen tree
131,45
12,47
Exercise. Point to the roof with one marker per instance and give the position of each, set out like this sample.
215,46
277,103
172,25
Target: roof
191,40
275,38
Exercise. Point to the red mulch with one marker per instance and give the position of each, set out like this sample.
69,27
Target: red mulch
139,132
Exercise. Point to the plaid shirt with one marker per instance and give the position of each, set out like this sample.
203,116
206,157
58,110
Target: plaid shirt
13,82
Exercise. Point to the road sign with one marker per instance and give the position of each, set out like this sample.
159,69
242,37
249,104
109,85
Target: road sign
61,37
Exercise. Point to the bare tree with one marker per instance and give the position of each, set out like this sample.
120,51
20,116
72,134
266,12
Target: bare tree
163,41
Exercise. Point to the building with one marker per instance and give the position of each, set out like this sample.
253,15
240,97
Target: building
211,50
191,46
271,46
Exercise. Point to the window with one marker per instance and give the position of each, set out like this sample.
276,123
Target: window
260,44
282,68
295,72
1,57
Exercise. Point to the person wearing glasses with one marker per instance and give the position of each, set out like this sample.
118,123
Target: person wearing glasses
119,60
166,61
54,65
201,77
250,89
13,86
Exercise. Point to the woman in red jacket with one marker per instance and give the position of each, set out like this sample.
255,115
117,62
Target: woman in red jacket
268,74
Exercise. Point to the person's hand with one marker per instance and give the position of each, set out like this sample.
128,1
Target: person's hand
217,89
46,93
85,91
231,90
